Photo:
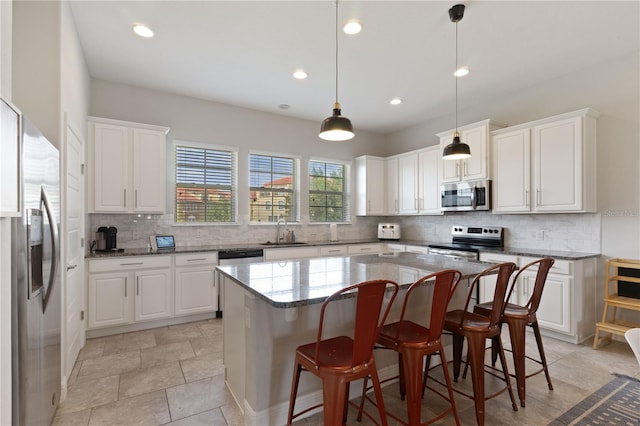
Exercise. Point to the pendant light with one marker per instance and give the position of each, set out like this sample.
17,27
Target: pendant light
456,150
336,127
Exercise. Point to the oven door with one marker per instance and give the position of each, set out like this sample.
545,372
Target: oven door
466,196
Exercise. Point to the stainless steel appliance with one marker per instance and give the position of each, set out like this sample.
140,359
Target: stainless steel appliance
466,196
467,241
388,231
35,283
235,257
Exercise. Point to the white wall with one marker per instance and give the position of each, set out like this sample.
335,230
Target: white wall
5,230
36,64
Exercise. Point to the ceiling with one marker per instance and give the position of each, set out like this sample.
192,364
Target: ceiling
243,53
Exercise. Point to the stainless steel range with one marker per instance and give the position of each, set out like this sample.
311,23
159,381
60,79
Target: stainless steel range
467,241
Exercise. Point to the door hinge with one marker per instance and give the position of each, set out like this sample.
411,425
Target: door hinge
81,315
82,242
82,168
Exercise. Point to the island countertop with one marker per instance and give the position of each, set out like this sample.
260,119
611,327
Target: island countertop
292,283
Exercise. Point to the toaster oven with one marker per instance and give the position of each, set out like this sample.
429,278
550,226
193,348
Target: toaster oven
388,231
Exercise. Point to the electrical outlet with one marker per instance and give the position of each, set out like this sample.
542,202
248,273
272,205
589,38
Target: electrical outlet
539,235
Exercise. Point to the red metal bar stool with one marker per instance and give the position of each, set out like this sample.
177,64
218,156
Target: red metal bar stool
413,342
476,329
519,317
337,361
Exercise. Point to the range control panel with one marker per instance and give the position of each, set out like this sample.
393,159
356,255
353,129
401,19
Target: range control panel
482,232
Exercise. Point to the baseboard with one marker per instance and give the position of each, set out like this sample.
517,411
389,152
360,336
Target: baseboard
277,414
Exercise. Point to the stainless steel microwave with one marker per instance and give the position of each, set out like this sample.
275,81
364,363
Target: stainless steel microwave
466,196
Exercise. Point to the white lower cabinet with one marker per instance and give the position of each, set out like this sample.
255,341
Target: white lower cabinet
109,299
153,295
567,306
127,289
487,285
196,290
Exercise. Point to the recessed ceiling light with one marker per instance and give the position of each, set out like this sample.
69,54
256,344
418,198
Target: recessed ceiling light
353,26
395,101
299,75
142,30
284,106
461,72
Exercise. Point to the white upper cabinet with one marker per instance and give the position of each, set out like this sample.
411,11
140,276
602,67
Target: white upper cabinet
408,183
391,173
429,166
476,167
129,167
370,186
413,182
511,171
547,166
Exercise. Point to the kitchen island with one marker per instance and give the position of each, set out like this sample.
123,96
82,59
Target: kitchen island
273,307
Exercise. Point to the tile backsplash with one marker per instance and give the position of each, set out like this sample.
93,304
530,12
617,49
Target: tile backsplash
570,232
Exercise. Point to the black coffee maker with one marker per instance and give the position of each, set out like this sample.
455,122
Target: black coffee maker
106,238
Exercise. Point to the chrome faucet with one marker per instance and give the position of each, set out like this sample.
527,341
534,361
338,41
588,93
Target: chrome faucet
280,220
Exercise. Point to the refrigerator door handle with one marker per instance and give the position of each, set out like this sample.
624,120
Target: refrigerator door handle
53,228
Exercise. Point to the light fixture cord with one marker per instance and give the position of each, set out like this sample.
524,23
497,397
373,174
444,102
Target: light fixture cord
456,77
336,51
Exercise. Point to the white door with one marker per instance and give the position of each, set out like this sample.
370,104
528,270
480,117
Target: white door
73,250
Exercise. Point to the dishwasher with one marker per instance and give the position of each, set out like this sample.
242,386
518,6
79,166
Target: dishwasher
235,257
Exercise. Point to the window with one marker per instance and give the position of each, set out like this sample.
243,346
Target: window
272,192
328,192
205,184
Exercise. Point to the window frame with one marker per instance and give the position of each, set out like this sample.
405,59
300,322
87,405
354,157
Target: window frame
295,191
234,151
346,193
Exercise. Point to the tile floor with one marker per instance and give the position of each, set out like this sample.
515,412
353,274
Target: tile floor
174,376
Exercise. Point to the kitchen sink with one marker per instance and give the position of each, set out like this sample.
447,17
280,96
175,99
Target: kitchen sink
269,243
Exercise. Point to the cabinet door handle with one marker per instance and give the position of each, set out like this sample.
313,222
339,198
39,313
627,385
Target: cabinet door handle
457,169
137,286
526,198
333,251
124,192
200,259
135,198
125,287
537,197
397,205
132,263
464,170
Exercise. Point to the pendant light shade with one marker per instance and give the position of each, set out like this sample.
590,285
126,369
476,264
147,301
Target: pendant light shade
456,150
336,127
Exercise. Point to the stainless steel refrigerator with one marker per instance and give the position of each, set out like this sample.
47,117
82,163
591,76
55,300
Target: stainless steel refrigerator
35,280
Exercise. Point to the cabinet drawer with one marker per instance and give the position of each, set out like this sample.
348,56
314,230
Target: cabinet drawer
498,258
125,263
559,267
365,248
417,249
192,259
333,250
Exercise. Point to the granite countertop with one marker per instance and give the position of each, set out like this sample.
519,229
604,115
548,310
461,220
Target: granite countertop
515,251
292,283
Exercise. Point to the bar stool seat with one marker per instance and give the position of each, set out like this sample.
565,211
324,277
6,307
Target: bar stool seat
339,360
